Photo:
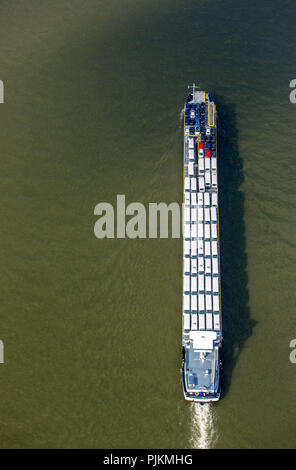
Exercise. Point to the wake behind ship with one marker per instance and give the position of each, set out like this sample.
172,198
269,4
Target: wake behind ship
202,321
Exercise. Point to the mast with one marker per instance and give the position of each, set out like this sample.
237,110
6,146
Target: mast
193,86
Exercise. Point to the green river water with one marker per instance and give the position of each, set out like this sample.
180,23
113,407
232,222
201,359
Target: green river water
92,328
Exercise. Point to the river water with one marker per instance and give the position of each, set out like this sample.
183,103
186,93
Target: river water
92,328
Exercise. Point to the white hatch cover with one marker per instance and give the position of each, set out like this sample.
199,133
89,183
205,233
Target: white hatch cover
203,339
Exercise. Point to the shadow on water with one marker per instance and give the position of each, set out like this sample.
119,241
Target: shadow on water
237,325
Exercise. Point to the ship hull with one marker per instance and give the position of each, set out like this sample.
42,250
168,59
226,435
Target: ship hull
202,315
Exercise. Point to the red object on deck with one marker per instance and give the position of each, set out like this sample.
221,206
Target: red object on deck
208,154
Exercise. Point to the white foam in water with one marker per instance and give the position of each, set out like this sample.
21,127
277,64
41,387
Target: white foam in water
204,432
182,114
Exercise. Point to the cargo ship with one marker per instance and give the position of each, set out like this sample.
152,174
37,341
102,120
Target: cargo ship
202,316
